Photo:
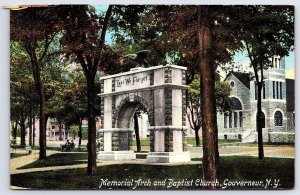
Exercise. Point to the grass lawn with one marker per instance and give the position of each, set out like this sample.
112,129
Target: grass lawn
16,155
234,168
144,142
192,141
59,159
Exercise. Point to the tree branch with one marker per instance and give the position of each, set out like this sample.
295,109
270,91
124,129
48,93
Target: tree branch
47,44
105,26
103,33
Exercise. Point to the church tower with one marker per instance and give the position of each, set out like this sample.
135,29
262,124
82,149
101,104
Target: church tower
273,100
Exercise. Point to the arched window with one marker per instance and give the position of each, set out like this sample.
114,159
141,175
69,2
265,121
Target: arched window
278,118
232,84
235,104
235,116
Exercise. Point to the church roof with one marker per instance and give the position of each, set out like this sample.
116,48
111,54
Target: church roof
290,95
243,77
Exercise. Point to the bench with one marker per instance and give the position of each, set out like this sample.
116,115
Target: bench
26,148
67,147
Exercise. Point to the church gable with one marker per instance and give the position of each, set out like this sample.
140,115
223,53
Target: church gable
239,89
244,78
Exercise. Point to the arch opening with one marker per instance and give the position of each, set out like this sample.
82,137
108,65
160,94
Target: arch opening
133,116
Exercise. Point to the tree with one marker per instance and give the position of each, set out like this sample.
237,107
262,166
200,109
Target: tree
74,129
75,99
201,38
222,91
82,42
35,30
136,117
207,98
193,106
267,31
137,132
22,92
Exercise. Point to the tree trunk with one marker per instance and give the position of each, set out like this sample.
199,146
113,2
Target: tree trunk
42,126
208,100
33,133
30,123
259,122
92,166
80,132
137,133
15,128
67,134
197,137
23,130
60,130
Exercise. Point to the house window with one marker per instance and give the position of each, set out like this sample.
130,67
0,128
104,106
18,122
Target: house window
232,84
235,104
294,119
264,91
53,127
276,62
280,89
235,119
225,119
273,89
277,90
241,119
278,118
255,92
230,120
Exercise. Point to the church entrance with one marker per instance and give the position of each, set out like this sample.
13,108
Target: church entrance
160,92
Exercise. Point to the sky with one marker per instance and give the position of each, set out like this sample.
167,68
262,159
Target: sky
242,58
239,58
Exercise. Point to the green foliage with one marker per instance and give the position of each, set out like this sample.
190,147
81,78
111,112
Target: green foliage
273,33
74,129
194,91
222,92
266,31
171,31
17,155
58,160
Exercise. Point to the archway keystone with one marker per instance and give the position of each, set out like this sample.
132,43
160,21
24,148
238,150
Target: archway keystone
161,91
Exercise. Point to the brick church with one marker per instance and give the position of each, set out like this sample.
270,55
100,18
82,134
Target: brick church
278,106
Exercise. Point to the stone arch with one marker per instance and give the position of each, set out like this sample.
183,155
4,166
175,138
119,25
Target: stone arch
161,91
126,109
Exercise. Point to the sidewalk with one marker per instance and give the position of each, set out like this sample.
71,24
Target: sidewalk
270,151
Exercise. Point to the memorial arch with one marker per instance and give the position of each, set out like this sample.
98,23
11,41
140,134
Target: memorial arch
161,92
